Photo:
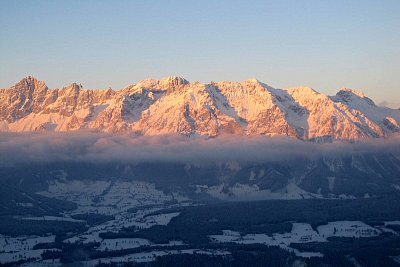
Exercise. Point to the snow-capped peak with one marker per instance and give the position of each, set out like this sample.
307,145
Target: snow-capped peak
352,95
174,80
30,83
252,80
164,83
351,91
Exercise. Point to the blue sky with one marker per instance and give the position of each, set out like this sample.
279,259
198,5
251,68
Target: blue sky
322,44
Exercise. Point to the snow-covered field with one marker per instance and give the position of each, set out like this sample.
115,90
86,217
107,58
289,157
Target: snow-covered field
108,197
239,192
301,233
128,243
245,192
392,223
347,229
12,244
10,257
122,243
50,218
139,220
21,248
152,255
114,198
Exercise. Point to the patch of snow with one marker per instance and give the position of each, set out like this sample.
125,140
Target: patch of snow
240,192
301,233
396,186
122,243
392,223
25,204
51,218
397,259
12,244
9,257
13,249
152,255
331,183
355,229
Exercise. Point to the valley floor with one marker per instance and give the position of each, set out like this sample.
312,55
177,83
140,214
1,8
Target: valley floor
134,222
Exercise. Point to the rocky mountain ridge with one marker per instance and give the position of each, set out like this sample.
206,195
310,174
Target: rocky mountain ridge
174,105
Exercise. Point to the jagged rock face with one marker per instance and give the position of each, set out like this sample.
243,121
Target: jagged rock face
25,97
173,105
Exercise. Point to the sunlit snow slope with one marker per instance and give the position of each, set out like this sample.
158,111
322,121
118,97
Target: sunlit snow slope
173,105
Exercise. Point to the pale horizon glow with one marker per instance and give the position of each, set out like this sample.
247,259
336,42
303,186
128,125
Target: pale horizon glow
325,45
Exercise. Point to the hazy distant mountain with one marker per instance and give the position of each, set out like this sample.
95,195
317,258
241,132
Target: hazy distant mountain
173,105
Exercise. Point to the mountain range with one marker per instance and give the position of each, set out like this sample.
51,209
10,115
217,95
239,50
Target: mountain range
174,105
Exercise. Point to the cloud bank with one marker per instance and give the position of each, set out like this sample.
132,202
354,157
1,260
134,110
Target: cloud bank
97,148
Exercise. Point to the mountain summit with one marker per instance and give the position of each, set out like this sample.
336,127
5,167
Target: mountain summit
173,105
